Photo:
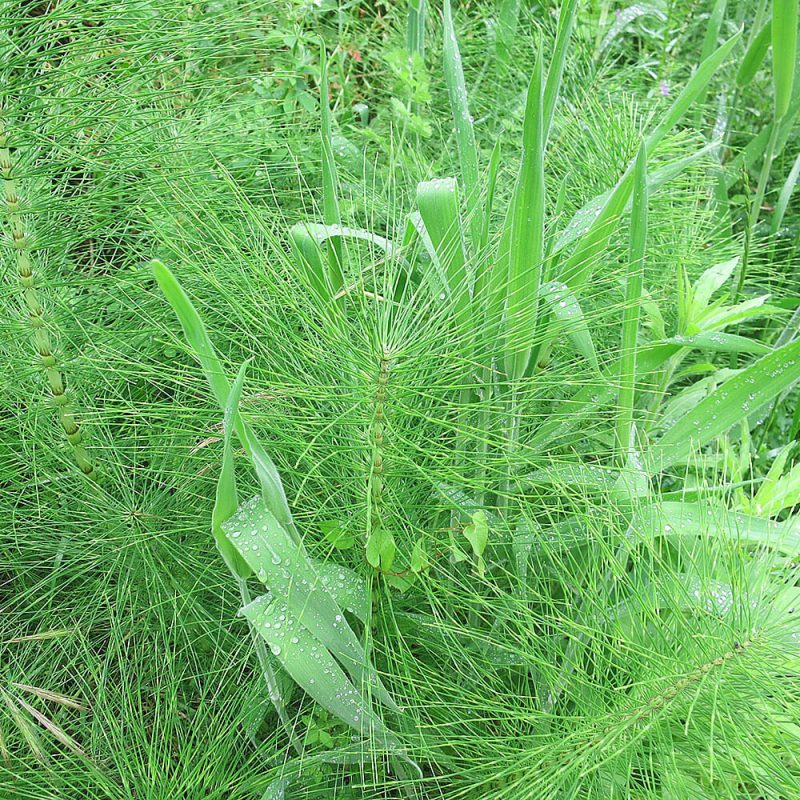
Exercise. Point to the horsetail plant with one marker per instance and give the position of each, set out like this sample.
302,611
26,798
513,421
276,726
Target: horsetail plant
27,278
301,616
380,544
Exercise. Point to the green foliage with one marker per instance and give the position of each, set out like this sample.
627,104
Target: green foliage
521,456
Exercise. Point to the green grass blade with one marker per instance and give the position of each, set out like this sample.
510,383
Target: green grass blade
694,88
718,342
626,399
330,190
197,337
506,31
566,309
731,402
465,134
579,266
589,400
309,241
709,45
584,218
526,237
754,56
195,332
491,184
784,53
679,519
555,71
226,501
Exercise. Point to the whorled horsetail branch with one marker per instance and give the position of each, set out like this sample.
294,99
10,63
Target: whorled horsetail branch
30,301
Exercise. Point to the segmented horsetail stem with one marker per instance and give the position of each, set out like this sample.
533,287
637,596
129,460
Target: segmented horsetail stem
31,304
377,430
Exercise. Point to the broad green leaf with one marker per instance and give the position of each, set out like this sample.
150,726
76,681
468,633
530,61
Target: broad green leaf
195,332
465,134
463,503
381,549
226,501
477,532
322,233
720,316
632,482
734,400
585,476
564,306
526,236
754,55
709,282
784,53
345,587
283,566
309,241
312,666
337,535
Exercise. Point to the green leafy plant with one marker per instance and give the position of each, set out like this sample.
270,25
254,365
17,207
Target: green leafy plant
498,456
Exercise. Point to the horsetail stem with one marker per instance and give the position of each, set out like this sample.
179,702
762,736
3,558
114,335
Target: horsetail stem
31,304
377,428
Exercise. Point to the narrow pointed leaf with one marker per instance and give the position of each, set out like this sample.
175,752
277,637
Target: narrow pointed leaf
731,402
465,134
679,519
555,70
526,237
754,55
633,294
566,309
195,332
784,53
226,501
330,201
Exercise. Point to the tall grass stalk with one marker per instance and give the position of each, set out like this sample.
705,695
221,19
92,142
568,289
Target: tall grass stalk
633,296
